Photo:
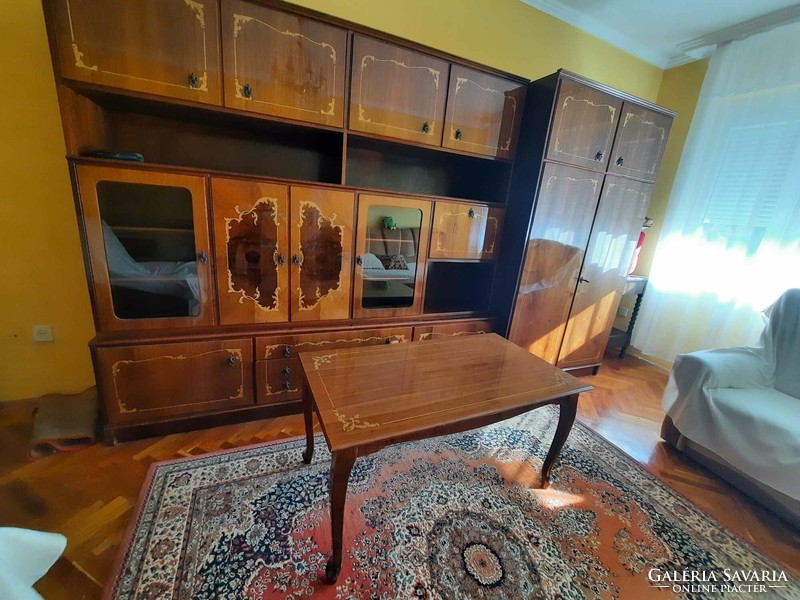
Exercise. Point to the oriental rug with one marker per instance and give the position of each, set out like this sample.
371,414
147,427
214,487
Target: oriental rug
459,516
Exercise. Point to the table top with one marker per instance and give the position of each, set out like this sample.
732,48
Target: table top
383,394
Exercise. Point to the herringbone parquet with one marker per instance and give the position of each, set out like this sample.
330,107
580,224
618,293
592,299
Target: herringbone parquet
89,495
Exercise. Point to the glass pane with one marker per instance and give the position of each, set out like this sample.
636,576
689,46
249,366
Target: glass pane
148,231
390,262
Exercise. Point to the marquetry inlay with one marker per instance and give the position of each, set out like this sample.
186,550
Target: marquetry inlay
365,341
119,367
661,133
329,82
555,178
252,214
197,8
612,115
465,81
430,335
315,228
490,221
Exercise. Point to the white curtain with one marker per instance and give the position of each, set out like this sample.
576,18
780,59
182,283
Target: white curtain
730,244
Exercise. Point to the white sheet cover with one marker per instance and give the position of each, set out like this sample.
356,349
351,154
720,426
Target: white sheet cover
726,400
26,555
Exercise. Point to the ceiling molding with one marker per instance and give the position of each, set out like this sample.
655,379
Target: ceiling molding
684,52
598,29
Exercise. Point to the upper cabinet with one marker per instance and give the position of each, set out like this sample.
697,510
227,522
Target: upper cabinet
282,64
396,92
641,139
163,47
583,124
483,113
466,231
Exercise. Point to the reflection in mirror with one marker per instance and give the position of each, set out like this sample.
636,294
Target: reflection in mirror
321,247
252,245
390,262
148,233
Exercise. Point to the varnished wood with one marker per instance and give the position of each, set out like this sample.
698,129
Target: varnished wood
322,255
483,114
151,46
251,237
556,245
466,231
142,383
282,64
482,379
395,91
278,381
620,215
99,486
423,333
583,125
365,202
640,143
87,178
289,345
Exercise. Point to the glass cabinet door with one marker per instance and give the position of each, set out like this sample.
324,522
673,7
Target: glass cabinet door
391,246
148,244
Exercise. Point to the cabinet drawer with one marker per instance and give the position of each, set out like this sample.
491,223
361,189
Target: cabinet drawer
287,346
145,383
278,380
466,231
441,330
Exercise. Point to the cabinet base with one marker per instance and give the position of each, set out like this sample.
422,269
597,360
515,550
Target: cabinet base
583,370
126,433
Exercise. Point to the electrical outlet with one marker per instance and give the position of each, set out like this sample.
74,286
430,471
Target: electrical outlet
623,311
42,333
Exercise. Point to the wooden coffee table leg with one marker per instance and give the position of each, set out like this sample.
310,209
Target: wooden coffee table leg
566,418
341,464
308,411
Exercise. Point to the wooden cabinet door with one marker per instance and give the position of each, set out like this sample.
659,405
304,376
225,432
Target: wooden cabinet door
640,143
281,64
614,236
148,245
556,243
441,330
483,113
391,247
152,382
467,231
397,92
163,47
278,381
288,346
251,236
584,122
322,243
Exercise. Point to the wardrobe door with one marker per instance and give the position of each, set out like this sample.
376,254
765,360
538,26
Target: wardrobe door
466,231
282,64
640,143
396,92
556,244
163,47
483,113
322,251
251,234
584,121
615,232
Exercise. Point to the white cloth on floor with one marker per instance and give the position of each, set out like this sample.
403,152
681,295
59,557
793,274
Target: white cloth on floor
744,403
25,556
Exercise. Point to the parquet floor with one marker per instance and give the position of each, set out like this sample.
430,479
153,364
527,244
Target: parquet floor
89,495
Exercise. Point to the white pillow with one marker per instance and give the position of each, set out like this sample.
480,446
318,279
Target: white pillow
372,262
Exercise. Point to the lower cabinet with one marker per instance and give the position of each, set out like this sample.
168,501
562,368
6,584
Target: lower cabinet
441,330
278,381
146,383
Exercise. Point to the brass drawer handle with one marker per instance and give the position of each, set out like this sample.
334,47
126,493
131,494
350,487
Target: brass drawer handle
620,160
281,260
247,91
598,156
471,214
287,350
287,371
458,134
193,80
287,386
426,128
232,361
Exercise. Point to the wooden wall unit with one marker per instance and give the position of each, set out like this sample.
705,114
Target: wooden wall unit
279,144
587,157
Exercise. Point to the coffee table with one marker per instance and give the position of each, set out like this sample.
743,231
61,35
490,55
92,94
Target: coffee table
368,398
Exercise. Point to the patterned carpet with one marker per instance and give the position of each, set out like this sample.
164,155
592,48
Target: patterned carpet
453,517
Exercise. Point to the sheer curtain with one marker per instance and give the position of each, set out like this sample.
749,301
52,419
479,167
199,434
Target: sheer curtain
730,244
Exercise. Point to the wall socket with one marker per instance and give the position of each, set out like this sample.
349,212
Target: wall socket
623,311
42,333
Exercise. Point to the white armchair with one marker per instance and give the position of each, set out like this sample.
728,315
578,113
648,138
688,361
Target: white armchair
737,410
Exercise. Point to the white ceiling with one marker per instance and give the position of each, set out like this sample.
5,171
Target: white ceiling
667,33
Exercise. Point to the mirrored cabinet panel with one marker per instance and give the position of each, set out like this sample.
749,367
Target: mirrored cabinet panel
392,242
148,243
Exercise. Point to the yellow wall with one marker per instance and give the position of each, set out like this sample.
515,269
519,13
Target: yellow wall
41,269
40,259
